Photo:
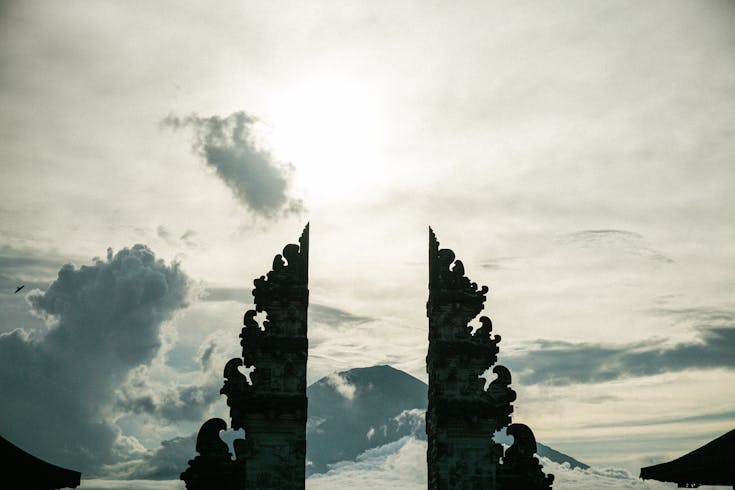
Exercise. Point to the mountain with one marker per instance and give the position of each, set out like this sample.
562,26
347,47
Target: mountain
356,410
353,411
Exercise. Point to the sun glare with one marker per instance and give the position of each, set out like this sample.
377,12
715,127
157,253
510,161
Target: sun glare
330,131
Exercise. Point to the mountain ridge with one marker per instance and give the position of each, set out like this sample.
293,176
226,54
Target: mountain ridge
363,408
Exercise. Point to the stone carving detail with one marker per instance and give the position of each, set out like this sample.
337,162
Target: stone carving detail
214,467
521,470
270,403
462,414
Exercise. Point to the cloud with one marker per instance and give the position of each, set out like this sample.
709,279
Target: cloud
399,464
226,144
563,363
240,295
165,462
96,484
28,264
414,420
188,238
342,386
402,464
168,236
621,241
140,394
604,478
105,319
150,390
162,232
333,316
498,263
728,415
702,316
318,313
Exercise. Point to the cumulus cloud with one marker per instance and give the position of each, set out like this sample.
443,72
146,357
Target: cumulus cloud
105,319
565,363
399,464
226,144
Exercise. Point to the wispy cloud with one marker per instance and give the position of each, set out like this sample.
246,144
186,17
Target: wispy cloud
621,241
333,316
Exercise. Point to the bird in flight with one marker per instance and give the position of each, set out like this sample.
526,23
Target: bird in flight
19,288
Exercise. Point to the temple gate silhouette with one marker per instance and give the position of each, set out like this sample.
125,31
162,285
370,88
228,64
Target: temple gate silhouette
463,415
271,405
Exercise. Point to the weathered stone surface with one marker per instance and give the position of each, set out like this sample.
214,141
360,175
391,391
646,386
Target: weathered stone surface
270,404
462,414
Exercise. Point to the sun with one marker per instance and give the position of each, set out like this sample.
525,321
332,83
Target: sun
331,131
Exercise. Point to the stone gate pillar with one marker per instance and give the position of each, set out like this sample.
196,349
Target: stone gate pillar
270,404
463,414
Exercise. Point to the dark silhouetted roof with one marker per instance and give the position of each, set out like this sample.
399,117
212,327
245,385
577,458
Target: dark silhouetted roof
31,472
711,464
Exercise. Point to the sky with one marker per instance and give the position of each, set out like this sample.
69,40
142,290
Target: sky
577,157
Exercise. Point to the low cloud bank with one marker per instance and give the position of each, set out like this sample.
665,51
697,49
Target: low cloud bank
402,464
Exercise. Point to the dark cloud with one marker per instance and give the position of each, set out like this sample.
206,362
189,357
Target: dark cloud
106,320
14,312
169,403
563,363
164,463
168,461
258,181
